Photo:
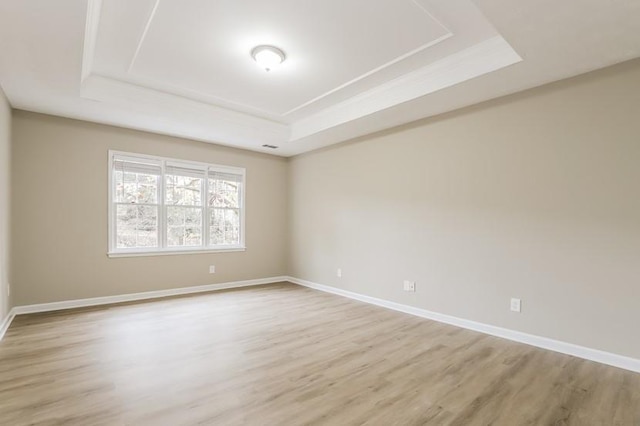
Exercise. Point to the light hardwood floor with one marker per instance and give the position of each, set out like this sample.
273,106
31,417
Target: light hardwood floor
286,355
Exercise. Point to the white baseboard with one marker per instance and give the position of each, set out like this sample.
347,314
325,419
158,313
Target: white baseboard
596,355
4,326
107,300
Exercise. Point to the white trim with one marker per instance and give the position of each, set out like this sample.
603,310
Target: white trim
143,36
107,300
596,355
90,37
7,322
162,250
432,43
146,157
174,252
487,56
246,127
447,34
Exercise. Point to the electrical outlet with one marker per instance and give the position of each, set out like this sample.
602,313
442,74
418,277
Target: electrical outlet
409,285
339,273
516,305
212,269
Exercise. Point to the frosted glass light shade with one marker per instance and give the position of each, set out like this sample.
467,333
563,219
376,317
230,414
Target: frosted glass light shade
268,57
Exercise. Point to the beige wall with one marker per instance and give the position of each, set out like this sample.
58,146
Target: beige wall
5,191
535,196
60,214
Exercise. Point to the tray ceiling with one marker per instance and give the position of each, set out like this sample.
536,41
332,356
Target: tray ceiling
184,68
204,47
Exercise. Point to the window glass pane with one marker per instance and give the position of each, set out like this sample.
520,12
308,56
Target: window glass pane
136,226
193,236
130,188
186,209
223,193
135,188
192,217
147,226
175,236
216,227
184,226
232,227
224,227
175,216
147,191
183,190
126,226
118,186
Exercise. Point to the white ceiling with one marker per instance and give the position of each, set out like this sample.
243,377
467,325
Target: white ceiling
353,66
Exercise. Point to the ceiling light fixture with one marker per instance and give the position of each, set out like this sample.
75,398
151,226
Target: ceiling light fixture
268,57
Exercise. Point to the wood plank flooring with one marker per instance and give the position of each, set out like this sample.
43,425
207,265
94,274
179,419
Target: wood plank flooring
286,355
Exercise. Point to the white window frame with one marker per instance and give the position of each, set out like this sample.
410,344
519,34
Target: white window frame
162,249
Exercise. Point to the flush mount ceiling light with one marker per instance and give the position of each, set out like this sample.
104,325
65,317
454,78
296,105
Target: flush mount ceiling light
267,57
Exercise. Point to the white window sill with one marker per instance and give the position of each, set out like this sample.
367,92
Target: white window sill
173,252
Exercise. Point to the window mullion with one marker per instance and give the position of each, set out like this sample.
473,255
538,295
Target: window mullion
162,209
205,207
152,165
113,210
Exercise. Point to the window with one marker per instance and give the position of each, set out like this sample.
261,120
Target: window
165,206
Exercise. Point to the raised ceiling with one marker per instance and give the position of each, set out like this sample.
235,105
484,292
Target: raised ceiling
353,67
204,48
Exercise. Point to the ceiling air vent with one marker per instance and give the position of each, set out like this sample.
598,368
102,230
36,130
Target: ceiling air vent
269,146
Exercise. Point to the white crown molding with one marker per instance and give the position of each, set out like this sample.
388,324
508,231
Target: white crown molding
103,88
482,58
92,25
143,35
223,123
91,33
260,126
447,35
596,355
369,73
217,101
90,36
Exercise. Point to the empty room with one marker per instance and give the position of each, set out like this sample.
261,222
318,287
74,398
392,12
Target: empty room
305,212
